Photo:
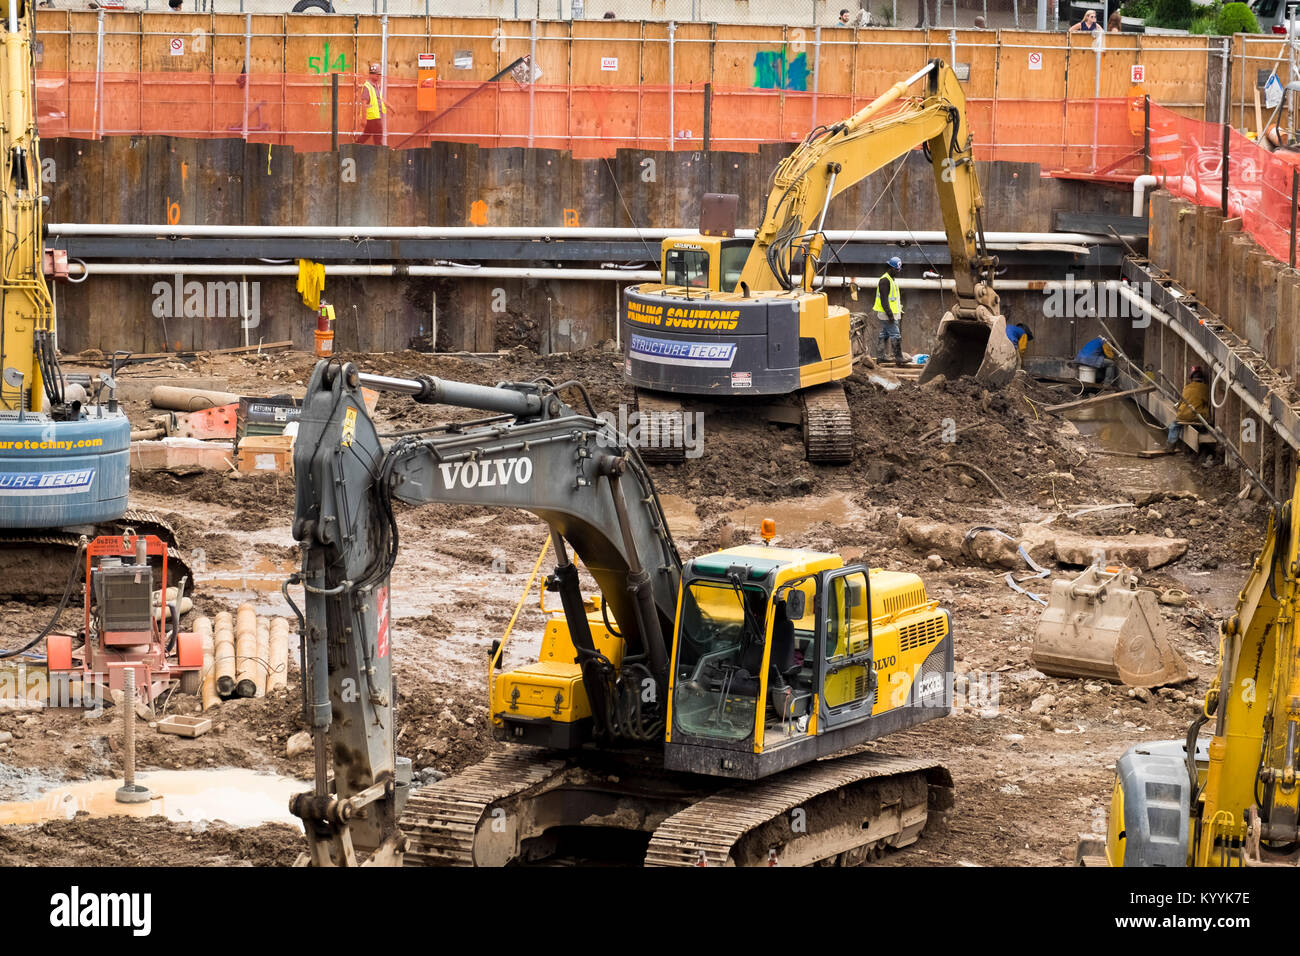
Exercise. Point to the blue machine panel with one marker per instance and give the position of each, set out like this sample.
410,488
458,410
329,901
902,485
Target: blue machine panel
58,474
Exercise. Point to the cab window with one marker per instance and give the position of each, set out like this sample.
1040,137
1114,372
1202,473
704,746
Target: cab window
687,267
733,263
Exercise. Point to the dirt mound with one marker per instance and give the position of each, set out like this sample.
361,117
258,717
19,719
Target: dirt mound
440,726
255,500
148,841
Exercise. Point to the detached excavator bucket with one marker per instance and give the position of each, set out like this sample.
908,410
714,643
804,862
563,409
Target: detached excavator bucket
978,347
1101,625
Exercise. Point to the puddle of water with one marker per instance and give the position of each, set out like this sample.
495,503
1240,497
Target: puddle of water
262,574
241,798
1217,589
793,516
1119,427
683,519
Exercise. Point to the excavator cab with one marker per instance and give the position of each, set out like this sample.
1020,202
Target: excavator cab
782,655
704,262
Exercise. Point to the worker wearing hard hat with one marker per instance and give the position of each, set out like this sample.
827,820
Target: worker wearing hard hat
1020,337
889,310
375,108
1194,406
1098,354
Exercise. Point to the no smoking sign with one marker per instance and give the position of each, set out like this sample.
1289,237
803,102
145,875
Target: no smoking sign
177,46
1035,60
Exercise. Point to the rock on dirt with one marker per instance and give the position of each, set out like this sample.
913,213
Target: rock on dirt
946,541
1141,551
299,743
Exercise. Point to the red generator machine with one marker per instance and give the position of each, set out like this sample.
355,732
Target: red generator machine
122,627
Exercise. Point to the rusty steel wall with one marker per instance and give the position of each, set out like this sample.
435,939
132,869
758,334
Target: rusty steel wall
181,181
1250,302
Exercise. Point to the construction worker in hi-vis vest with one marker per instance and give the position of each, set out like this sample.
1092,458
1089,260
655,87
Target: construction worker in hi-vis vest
375,107
889,310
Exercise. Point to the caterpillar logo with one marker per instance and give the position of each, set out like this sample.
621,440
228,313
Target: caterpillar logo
486,474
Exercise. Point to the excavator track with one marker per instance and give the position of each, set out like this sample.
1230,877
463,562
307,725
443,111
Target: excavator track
843,811
827,425
441,822
660,421
34,564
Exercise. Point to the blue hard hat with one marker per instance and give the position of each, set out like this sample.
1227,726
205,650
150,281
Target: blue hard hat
895,262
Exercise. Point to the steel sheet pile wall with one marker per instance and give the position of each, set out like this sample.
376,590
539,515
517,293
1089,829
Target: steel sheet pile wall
1239,314
160,180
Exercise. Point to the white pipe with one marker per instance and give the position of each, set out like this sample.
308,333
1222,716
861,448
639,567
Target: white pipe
1140,186
672,88
68,229
99,74
383,75
1247,399
168,270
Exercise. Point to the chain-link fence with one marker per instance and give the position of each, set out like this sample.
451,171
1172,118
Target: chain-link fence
857,13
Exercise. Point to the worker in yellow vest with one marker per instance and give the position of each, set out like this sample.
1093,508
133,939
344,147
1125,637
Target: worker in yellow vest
889,310
375,108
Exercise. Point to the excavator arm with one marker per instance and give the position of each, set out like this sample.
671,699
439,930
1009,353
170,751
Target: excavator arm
1231,800
1248,801
27,357
535,453
834,158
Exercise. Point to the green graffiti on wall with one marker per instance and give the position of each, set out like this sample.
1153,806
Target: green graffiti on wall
777,70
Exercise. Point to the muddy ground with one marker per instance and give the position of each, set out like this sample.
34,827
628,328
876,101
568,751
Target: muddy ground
1031,756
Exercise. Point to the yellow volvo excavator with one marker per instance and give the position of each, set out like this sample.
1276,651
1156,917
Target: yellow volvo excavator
683,713
1233,800
748,319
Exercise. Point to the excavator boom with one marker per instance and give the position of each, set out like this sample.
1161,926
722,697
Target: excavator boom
833,159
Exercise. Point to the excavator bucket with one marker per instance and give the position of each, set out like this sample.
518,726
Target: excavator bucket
1102,625
978,347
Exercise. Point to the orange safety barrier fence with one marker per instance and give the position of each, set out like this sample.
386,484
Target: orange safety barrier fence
1187,157
1087,137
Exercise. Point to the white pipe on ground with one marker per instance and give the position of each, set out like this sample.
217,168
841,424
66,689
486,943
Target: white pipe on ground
69,229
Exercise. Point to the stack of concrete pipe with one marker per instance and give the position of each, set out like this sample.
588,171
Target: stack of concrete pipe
244,655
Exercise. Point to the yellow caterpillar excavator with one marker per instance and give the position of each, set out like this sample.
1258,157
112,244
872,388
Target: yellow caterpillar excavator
748,319
1233,800
685,713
